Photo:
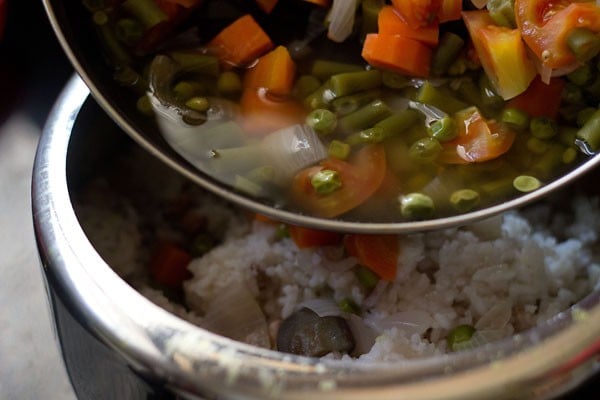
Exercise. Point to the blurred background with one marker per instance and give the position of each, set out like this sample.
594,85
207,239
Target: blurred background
33,70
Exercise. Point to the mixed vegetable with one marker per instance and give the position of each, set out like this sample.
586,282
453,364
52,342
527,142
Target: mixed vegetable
366,110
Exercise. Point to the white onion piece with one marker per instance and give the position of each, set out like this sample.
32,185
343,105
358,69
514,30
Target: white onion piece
341,19
375,294
322,307
496,317
479,3
364,335
235,313
411,322
293,148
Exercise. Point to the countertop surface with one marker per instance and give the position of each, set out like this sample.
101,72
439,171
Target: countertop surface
32,72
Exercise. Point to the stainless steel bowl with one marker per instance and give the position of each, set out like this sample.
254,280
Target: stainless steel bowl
73,27
118,345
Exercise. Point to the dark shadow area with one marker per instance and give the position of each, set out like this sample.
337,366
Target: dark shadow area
33,67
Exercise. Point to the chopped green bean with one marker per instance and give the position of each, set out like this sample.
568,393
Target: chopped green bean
198,104
353,82
338,149
370,13
146,11
526,183
369,135
416,205
584,43
320,98
439,98
515,118
448,49
567,135
229,83
459,335
443,129
117,54
305,85
128,31
590,132
464,200
398,123
365,117
324,69
543,127
347,104
322,121
326,181
497,188
502,12
393,80
425,150
197,62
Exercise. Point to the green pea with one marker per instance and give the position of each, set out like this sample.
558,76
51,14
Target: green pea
543,127
416,205
443,129
326,181
305,85
584,43
322,121
144,106
569,155
526,183
338,149
367,278
198,103
459,335
515,117
394,80
464,200
425,150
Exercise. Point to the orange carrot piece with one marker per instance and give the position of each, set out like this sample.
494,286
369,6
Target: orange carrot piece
418,13
450,10
308,237
241,42
274,71
267,5
397,53
390,22
264,114
379,253
168,265
540,99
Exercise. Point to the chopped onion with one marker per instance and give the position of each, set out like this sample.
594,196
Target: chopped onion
322,307
496,317
411,322
341,19
375,294
235,313
364,335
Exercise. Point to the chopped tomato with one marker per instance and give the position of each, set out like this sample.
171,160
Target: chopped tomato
418,13
168,265
540,99
308,237
450,10
478,139
390,22
502,54
379,253
361,177
545,26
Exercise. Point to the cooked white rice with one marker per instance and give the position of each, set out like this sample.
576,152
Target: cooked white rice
501,276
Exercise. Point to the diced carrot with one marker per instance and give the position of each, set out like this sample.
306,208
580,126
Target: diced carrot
241,42
418,13
540,99
322,3
267,5
450,10
274,71
308,237
390,22
168,265
264,114
379,253
397,53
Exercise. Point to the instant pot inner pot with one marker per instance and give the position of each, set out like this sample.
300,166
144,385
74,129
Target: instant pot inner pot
96,143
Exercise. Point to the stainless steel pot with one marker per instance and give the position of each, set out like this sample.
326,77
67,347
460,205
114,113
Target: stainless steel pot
118,345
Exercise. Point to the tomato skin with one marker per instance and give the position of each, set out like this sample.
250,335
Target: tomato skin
478,139
418,13
379,253
361,177
546,24
307,237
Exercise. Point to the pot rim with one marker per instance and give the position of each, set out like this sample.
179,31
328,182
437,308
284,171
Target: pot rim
538,363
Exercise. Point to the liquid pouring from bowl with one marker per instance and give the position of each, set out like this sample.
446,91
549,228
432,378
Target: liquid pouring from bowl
233,164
